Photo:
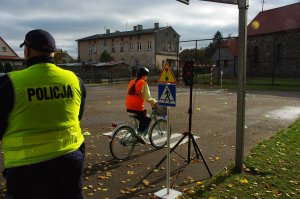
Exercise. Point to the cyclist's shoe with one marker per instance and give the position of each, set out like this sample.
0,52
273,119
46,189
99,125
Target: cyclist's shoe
143,133
140,139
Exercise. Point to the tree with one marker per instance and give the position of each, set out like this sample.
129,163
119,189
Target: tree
105,57
192,55
213,46
62,57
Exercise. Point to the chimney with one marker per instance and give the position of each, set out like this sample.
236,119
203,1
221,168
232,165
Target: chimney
107,31
156,25
140,27
134,28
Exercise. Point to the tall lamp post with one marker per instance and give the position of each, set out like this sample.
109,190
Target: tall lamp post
242,47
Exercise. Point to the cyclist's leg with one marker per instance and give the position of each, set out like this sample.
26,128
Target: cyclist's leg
145,120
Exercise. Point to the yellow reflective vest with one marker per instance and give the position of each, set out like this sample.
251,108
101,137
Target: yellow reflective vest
44,121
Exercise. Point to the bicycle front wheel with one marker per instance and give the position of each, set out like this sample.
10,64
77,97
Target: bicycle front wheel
158,133
122,143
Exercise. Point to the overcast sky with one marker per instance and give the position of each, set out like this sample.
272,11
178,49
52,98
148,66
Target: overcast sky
69,20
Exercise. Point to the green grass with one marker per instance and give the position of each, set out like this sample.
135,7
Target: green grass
280,84
272,170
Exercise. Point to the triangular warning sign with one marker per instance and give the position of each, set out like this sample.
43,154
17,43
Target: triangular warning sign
167,75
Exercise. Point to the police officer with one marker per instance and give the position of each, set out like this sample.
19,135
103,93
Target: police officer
137,94
40,111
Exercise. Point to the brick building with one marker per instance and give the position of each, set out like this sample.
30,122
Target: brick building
273,47
274,42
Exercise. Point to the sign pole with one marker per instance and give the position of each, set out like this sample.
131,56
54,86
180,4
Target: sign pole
168,151
167,97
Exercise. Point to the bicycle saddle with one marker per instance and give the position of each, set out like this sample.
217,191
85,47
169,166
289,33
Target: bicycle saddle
132,115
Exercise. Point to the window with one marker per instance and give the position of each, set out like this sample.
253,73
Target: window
163,46
90,50
130,46
149,45
94,49
105,42
3,49
169,46
113,48
279,54
122,47
225,63
256,55
139,46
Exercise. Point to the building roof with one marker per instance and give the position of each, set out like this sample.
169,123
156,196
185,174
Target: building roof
276,20
232,45
125,33
8,57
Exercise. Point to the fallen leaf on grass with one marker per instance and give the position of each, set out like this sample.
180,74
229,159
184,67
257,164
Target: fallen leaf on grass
146,182
191,192
230,185
200,183
244,181
217,158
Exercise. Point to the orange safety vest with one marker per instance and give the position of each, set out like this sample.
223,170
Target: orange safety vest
136,102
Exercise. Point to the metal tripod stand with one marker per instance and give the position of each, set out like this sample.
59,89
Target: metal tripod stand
191,139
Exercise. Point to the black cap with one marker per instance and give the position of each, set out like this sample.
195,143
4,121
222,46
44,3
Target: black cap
39,40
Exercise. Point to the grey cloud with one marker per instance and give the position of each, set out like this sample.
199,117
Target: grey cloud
70,20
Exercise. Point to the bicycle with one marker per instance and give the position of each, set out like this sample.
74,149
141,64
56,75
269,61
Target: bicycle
124,137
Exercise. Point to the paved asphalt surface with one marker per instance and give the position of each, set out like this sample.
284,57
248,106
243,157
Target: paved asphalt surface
213,124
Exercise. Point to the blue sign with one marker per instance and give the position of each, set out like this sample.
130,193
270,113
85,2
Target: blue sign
167,94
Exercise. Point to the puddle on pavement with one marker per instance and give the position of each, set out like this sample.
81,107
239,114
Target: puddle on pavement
285,113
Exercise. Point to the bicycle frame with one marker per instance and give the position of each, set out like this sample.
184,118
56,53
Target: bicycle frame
154,117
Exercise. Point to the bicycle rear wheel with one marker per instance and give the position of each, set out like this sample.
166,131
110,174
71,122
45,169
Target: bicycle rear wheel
122,142
158,133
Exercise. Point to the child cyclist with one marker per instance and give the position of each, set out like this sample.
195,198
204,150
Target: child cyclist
137,94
